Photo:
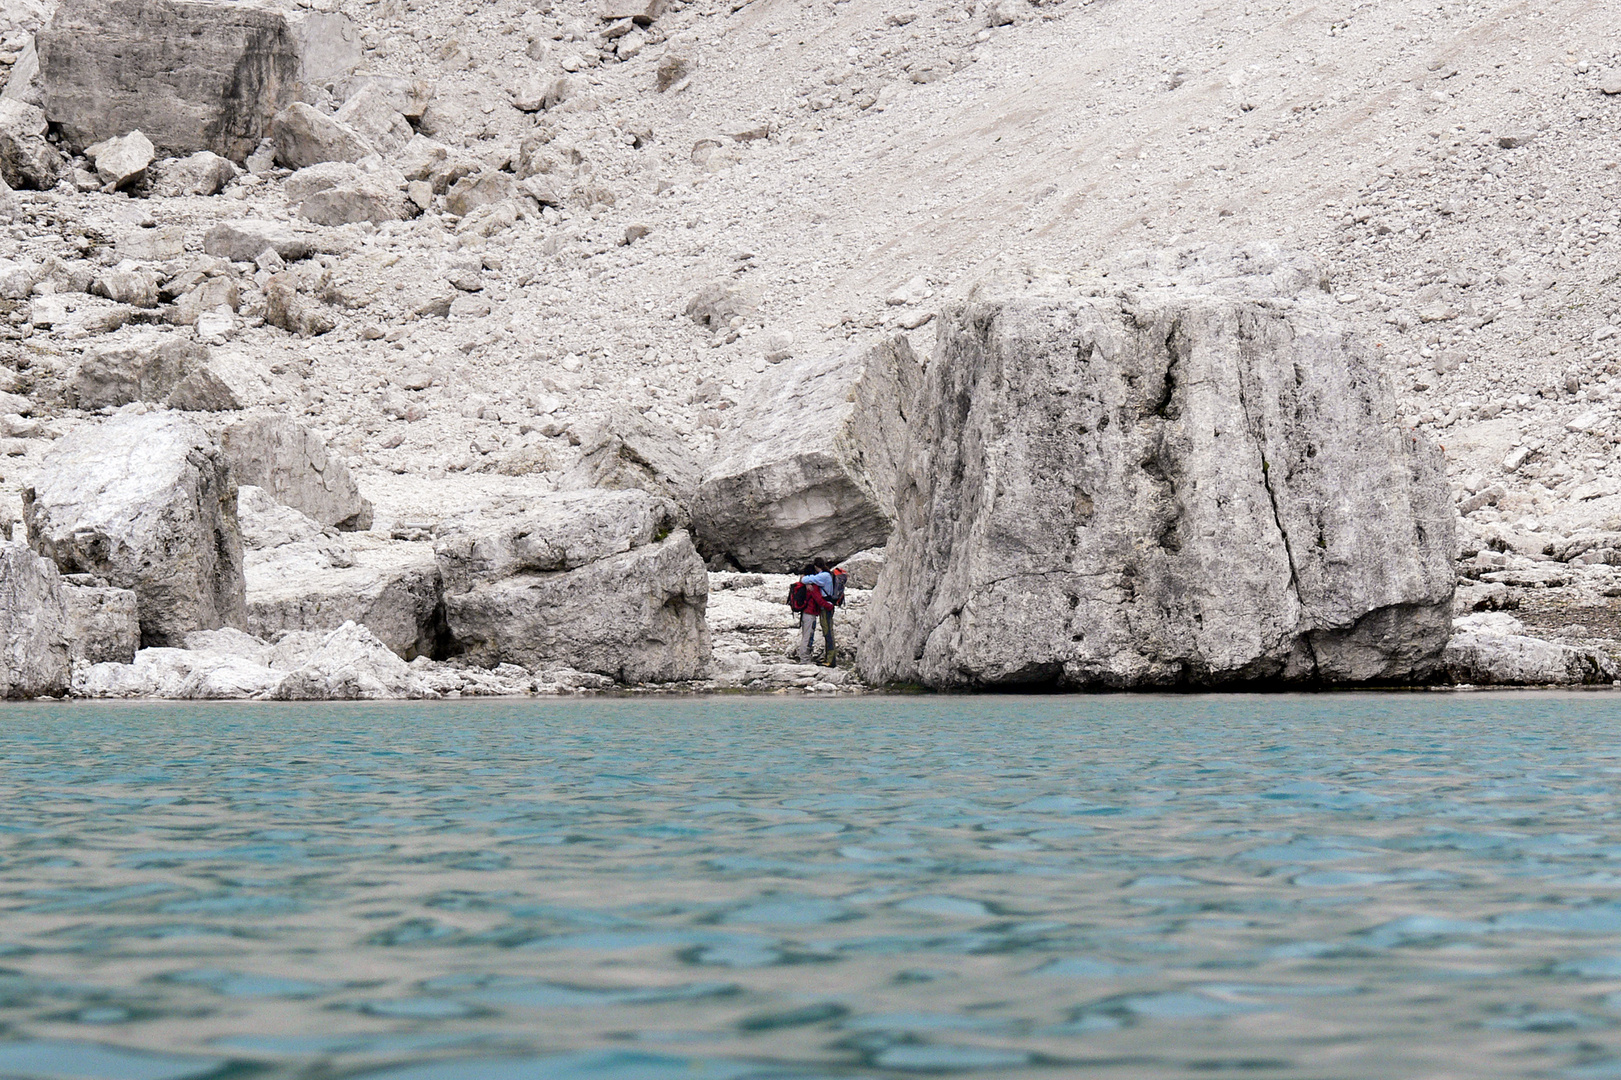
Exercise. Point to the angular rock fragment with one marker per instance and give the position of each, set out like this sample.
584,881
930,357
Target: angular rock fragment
147,503
34,626
293,312
587,580
145,368
293,464
27,161
338,193
629,450
810,467
1492,649
1199,482
202,173
471,192
372,113
104,625
306,136
244,241
121,161
347,664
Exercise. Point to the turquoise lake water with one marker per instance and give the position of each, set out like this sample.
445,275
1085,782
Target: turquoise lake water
1405,885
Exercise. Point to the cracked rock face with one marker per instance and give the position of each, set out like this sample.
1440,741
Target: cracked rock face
1195,482
147,503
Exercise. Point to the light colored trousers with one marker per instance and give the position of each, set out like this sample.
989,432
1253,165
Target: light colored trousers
807,636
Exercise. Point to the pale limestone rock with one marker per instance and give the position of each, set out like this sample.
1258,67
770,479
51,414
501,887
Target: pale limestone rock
104,624
122,160
339,193
398,93
27,161
589,580
626,449
147,503
809,468
292,464
192,74
472,192
1200,482
863,568
1492,649
35,625
143,368
304,136
301,576
202,173
245,241
348,664
372,114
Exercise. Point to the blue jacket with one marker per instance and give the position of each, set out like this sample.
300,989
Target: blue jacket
823,581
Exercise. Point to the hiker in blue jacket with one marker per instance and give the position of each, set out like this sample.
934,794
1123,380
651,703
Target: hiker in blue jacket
822,577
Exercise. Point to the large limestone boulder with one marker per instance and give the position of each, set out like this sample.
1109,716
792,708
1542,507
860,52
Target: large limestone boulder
304,136
1198,481
191,74
302,576
292,463
146,367
594,581
27,161
1492,649
339,193
809,468
35,659
147,503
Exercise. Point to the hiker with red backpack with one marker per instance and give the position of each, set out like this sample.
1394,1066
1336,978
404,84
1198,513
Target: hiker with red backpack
814,596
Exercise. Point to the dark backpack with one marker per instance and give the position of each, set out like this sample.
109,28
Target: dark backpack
799,597
836,598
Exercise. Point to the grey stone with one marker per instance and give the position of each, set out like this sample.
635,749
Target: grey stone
338,193
636,617
304,136
202,391
810,466
290,461
302,576
121,161
147,503
1200,481
293,312
129,284
1491,649
347,664
373,115
716,304
157,244
35,659
27,161
192,74
863,568
242,241
589,580
202,173
406,96
642,12
471,192
627,449
145,368
104,625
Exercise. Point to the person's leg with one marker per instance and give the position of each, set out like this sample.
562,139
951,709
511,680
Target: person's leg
807,630
831,656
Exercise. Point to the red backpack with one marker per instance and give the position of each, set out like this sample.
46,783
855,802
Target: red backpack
805,599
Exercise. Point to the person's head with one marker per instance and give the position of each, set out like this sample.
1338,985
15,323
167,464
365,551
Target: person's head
820,563
808,570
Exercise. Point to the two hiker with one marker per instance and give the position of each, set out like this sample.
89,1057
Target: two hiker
818,591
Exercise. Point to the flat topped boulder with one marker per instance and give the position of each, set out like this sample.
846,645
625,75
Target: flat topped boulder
809,467
191,74
146,503
1183,473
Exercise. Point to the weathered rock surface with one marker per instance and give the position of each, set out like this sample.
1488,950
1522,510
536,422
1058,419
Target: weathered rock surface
104,624
122,160
245,241
192,74
292,464
809,468
348,664
1194,484
863,568
147,503
34,626
202,173
303,576
304,136
587,580
628,450
27,161
145,368
339,193
1492,649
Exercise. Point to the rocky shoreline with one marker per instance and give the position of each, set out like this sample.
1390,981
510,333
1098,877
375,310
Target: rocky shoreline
402,351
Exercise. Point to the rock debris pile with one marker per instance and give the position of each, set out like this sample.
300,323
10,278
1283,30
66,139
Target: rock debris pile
320,323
